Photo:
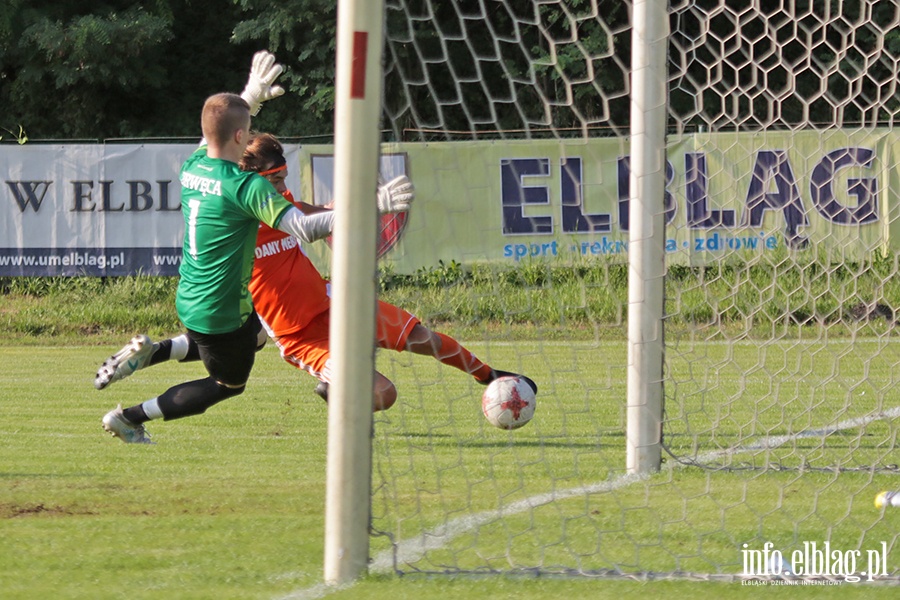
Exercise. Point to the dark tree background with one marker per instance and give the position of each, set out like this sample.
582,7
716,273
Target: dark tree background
102,69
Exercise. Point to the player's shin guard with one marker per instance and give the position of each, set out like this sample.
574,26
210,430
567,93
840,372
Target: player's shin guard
181,348
194,397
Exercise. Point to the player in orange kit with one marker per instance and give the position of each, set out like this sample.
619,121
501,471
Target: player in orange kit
292,299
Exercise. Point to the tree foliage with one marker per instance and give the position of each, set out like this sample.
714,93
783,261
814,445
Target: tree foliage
100,69
105,69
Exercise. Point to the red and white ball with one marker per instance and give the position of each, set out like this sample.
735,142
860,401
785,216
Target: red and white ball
508,402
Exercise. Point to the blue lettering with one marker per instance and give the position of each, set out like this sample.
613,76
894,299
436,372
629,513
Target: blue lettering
773,186
699,216
520,251
571,191
139,194
604,246
772,167
866,190
515,195
717,242
25,193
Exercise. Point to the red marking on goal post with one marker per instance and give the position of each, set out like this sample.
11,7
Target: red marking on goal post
358,78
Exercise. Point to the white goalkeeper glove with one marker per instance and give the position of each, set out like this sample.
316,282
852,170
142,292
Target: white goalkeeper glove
396,195
263,74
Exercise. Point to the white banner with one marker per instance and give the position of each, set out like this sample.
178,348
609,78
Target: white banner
94,209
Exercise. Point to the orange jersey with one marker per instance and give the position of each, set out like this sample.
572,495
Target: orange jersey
288,292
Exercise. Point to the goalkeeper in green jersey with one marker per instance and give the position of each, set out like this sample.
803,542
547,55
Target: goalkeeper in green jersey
222,208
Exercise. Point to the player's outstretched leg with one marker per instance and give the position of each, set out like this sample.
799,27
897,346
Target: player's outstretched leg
116,424
450,352
140,353
135,355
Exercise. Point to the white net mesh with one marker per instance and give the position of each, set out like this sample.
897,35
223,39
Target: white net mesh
782,283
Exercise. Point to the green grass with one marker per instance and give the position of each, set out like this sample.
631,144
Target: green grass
230,504
778,294
776,384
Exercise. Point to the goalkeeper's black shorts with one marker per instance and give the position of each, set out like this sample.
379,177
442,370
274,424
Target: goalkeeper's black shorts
228,357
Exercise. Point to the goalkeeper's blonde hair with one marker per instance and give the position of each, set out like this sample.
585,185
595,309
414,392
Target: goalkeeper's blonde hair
222,115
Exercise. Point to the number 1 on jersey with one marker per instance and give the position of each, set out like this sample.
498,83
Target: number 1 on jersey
194,205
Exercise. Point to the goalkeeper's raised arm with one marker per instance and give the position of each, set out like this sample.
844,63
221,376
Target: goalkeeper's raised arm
260,85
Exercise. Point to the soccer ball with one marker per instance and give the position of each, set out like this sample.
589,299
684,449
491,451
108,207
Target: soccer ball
508,402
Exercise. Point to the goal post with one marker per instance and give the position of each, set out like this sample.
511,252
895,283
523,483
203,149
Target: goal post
646,247
352,326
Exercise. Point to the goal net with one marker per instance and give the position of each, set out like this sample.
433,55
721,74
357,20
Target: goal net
781,205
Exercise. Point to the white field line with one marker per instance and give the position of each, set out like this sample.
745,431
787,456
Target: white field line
410,551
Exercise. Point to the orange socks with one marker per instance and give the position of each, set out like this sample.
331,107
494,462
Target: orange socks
454,355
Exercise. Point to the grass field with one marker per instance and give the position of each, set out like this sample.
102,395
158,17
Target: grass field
230,504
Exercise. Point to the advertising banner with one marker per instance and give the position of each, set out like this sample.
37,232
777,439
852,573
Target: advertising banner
114,209
728,196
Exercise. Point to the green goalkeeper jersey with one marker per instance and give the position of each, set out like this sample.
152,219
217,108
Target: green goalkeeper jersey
222,208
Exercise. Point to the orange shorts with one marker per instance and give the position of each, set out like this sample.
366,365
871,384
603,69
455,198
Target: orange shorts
308,349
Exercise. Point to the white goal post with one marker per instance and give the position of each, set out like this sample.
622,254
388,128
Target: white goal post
352,327
646,247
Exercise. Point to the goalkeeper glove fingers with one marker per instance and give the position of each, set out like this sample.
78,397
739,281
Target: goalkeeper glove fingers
263,73
396,195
